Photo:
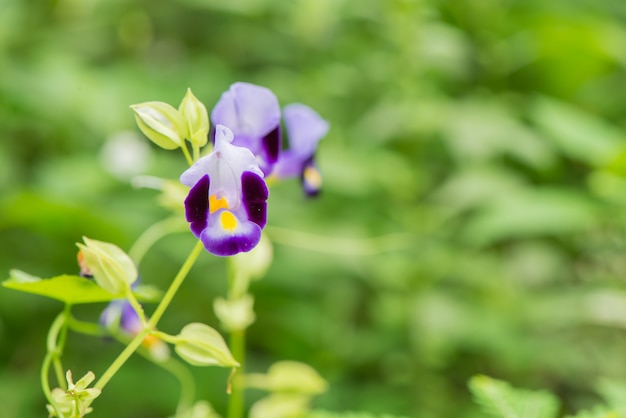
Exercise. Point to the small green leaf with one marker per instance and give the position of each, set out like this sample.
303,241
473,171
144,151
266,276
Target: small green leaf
66,288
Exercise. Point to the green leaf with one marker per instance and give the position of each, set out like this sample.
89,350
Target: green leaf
578,134
501,400
66,288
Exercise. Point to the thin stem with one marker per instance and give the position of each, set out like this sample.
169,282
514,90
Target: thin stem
185,378
341,246
158,313
153,234
196,151
87,328
45,385
136,306
238,349
51,353
186,152
178,280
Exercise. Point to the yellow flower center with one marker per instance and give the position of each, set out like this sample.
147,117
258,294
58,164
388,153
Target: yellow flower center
228,221
216,204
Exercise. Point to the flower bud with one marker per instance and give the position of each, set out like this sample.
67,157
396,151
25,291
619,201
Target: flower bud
161,123
235,315
249,266
196,119
111,267
200,345
288,377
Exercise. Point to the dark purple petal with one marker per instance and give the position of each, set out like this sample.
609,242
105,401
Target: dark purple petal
254,197
311,178
223,244
271,145
197,205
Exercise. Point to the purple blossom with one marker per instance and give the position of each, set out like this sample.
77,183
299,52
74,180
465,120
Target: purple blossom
226,205
305,128
252,113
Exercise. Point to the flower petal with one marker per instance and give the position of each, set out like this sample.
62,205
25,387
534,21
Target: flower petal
197,205
255,194
305,128
250,111
228,235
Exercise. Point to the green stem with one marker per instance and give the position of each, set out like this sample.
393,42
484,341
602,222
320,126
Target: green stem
87,328
178,280
136,306
196,151
155,233
158,313
238,349
52,352
187,155
45,385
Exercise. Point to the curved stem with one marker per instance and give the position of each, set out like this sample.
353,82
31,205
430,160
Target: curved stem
52,352
340,246
153,234
87,328
158,313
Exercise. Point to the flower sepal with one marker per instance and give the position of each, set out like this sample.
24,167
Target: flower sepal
200,345
196,119
111,267
161,123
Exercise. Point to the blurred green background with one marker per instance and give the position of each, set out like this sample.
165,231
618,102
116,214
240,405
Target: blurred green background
472,218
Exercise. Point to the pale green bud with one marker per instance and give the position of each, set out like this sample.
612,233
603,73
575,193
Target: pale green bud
249,266
281,406
288,377
111,267
196,119
235,315
161,123
201,409
200,345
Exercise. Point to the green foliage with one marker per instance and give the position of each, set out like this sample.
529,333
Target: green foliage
472,214
68,289
500,400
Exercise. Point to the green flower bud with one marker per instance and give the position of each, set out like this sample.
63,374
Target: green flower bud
235,315
161,123
250,266
111,267
200,345
281,405
288,377
196,119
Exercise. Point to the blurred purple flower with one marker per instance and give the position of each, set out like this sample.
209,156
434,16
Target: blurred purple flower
305,128
226,205
252,113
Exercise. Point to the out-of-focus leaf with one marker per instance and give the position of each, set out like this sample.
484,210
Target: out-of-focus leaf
66,288
533,213
578,134
501,400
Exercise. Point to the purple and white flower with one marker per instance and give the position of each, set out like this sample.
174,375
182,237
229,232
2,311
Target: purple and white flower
305,128
252,113
226,205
